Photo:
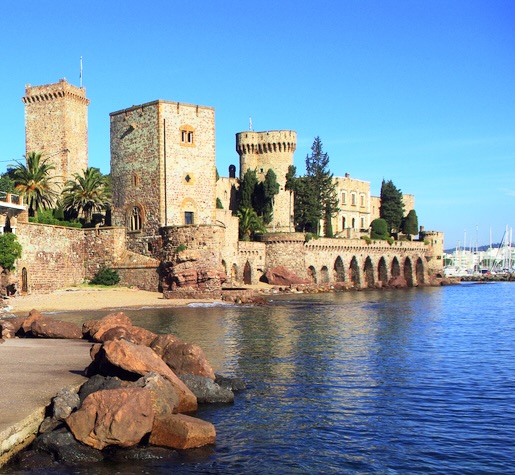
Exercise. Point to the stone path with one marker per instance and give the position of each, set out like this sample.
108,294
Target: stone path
32,371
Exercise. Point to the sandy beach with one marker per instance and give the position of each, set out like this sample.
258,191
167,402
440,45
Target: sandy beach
90,299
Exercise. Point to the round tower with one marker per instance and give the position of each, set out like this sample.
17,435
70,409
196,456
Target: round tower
264,150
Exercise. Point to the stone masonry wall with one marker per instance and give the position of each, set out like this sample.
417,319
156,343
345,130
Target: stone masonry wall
56,124
53,256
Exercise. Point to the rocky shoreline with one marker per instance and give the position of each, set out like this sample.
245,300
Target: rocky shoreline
139,401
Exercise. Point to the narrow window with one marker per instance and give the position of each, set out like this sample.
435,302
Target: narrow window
188,217
344,197
190,137
362,223
353,199
135,219
362,200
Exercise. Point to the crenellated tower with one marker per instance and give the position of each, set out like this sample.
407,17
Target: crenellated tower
56,124
264,150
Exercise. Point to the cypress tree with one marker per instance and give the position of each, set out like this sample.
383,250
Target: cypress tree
392,206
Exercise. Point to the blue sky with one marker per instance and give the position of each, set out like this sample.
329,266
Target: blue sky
419,92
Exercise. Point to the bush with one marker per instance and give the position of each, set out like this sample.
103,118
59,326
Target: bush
105,276
219,204
10,250
180,248
379,229
51,217
366,239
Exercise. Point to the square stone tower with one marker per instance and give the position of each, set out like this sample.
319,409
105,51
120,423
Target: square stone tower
162,168
56,125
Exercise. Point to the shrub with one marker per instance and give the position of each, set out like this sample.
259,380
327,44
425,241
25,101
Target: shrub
389,240
379,229
10,250
105,276
180,248
219,204
366,239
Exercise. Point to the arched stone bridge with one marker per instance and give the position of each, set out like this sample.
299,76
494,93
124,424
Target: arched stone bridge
353,261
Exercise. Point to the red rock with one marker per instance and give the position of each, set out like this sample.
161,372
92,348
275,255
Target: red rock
178,431
282,276
47,327
137,335
185,358
33,315
142,360
398,282
113,417
94,329
165,400
10,326
162,341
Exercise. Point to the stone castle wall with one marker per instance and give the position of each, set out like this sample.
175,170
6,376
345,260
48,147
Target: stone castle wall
56,124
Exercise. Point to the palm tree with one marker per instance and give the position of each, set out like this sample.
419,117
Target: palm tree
87,193
249,223
35,182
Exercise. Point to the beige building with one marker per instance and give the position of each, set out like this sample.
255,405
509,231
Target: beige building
354,202
162,168
56,125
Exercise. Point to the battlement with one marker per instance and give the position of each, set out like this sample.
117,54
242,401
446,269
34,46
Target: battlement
272,141
51,92
178,107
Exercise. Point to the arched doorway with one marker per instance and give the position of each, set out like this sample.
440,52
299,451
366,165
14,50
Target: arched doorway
355,277
312,274
382,270
408,272
419,270
339,270
396,267
324,275
24,281
368,270
247,274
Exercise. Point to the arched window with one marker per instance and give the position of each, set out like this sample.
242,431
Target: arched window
135,219
186,135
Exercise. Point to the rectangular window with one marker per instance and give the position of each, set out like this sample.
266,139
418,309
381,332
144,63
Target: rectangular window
183,136
190,137
344,198
353,199
362,200
362,223
188,217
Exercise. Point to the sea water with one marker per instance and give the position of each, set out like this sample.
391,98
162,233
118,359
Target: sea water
373,382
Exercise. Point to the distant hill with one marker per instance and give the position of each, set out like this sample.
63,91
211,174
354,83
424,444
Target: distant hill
480,248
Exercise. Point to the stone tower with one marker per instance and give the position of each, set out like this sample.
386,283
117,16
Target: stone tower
56,124
162,169
264,150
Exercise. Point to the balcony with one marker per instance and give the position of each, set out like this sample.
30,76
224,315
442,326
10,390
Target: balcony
10,200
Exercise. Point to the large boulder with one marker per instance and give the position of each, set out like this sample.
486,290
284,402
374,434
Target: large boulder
27,323
9,327
113,417
206,390
139,360
99,383
134,334
165,399
94,329
179,431
65,448
398,282
181,357
281,275
47,327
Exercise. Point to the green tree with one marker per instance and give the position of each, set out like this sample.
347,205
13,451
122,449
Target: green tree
392,206
270,189
290,185
316,198
35,182
10,250
89,192
247,190
379,229
249,223
7,182
410,224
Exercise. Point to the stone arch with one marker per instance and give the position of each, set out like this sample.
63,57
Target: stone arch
382,271
420,272
247,273
396,267
408,271
234,273
354,273
368,272
312,274
339,270
135,218
324,275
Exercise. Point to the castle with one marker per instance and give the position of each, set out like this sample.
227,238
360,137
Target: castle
165,193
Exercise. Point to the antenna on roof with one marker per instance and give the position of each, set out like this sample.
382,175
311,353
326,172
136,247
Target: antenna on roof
80,76
250,123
